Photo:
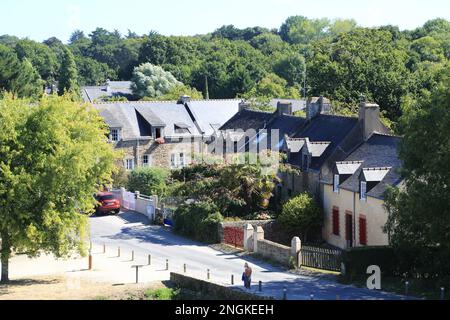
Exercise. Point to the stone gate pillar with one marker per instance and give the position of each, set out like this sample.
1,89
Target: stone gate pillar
259,235
248,237
296,247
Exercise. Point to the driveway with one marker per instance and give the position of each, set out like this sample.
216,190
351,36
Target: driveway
131,232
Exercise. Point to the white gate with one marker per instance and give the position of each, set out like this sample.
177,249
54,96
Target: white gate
129,201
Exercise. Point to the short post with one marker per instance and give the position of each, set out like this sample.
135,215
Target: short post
90,245
132,255
285,293
118,252
104,248
406,288
232,279
184,268
442,293
312,297
137,272
296,249
260,286
90,259
167,264
208,274
149,259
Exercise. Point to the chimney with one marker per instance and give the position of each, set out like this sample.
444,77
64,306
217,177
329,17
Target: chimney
316,106
108,86
284,107
243,105
184,99
369,116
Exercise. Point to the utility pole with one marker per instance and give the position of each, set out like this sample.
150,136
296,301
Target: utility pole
206,88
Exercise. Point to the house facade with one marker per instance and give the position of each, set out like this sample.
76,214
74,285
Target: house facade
353,193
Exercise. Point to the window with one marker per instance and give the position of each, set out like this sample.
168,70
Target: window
115,135
182,160
336,226
363,190
336,183
173,161
349,228
158,133
305,162
363,230
130,164
146,160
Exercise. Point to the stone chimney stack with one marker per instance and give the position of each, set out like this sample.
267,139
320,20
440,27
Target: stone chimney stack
184,99
316,106
284,107
244,105
369,116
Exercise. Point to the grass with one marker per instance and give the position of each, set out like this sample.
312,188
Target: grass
419,288
163,294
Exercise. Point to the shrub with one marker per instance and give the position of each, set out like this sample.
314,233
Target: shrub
148,181
357,260
300,215
198,221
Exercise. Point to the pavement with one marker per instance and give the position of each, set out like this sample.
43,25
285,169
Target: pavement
132,233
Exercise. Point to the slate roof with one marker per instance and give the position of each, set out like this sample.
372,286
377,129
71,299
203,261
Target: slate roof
379,154
325,128
248,119
117,89
135,118
287,125
210,115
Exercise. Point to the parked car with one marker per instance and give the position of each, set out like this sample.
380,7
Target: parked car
107,203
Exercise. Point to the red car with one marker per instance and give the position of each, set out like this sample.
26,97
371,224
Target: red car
107,202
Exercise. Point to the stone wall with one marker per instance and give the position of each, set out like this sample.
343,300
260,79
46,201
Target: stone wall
274,251
241,224
213,290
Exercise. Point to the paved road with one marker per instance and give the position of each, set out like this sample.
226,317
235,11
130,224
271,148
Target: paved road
132,232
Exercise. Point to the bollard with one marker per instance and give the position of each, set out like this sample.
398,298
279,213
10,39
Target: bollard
132,255
442,293
208,274
104,248
167,264
149,259
232,279
406,288
137,275
90,245
90,260
260,286
285,293
184,268
118,252
312,297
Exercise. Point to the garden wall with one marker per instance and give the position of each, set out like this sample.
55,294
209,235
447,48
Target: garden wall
274,251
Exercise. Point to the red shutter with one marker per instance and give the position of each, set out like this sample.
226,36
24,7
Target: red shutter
362,231
336,221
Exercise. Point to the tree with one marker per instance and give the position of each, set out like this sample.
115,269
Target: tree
53,158
18,78
301,30
68,81
181,90
419,217
291,67
148,181
150,81
91,72
300,215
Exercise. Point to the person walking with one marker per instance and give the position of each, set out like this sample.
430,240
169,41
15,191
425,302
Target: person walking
247,276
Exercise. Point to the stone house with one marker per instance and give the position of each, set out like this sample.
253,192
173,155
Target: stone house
163,133
353,193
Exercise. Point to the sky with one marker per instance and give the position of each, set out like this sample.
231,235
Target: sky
40,20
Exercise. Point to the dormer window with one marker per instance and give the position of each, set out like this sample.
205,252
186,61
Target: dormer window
363,190
336,183
114,135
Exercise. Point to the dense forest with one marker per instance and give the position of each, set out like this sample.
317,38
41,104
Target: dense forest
304,56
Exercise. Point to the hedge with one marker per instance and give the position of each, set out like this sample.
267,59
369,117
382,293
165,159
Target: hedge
356,260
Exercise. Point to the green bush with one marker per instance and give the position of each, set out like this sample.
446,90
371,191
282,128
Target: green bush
300,215
198,221
357,260
148,181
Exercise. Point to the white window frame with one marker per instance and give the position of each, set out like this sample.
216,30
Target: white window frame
113,132
127,162
173,161
182,161
363,190
336,183
146,161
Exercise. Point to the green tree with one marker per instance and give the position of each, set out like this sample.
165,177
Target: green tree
181,90
68,80
53,157
18,78
148,181
301,30
300,215
419,217
150,81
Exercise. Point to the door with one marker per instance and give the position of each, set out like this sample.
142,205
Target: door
349,229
